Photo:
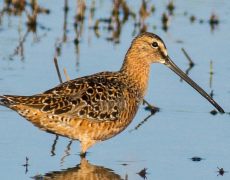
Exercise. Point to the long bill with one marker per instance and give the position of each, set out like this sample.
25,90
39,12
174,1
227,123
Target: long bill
173,67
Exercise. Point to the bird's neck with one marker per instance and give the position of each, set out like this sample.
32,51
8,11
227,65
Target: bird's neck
137,72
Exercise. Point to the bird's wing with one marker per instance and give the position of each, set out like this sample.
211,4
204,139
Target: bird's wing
98,97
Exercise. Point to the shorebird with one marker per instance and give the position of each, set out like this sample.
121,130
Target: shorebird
97,107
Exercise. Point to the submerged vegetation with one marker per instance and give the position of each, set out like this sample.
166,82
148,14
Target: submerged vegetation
108,27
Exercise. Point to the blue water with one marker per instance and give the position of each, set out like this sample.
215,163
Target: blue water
164,144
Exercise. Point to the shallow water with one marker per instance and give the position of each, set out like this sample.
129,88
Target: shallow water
165,142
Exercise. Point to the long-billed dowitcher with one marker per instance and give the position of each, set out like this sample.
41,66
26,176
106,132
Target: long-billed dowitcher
97,107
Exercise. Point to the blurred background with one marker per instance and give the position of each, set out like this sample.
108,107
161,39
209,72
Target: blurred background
187,139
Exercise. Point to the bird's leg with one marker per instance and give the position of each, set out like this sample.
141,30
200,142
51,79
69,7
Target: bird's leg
54,146
83,155
86,144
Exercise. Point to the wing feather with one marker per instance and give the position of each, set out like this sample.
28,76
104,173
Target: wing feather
98,97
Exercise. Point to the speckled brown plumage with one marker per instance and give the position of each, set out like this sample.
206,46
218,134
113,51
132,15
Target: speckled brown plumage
97,107
88,109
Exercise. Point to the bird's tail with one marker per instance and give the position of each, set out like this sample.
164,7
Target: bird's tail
4,101
14,100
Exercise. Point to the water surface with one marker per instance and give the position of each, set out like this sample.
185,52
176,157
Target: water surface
165,142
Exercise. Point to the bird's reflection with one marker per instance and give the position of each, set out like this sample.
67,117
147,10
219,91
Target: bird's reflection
84,170
67,152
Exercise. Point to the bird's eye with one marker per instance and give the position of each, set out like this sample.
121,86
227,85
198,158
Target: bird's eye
155,44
